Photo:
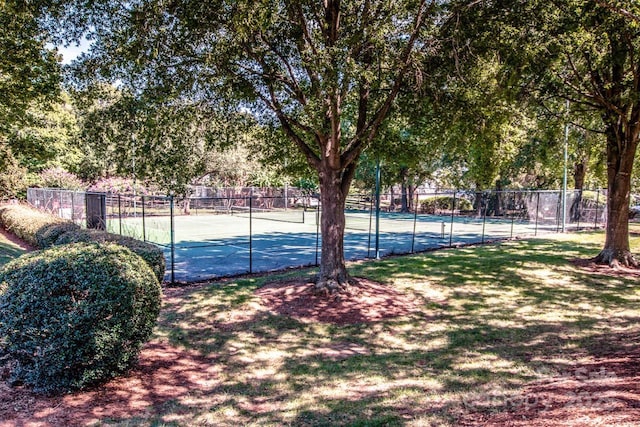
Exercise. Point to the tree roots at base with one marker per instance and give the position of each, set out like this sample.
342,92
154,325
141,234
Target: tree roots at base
616,259
333,286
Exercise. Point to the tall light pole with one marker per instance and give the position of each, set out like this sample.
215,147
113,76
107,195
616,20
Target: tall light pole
564,175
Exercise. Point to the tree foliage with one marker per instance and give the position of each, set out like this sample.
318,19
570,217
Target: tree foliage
326,72
584,52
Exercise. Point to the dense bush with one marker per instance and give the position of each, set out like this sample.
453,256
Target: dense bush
47,235
438,204
150,253
76,315
42,230
25,222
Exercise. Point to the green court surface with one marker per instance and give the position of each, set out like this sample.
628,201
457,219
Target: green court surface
206,245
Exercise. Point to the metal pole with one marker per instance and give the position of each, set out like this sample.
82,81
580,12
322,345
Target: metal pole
564,175
317,230
415,220
144,229
453,210
535,233
251,232
595,219
370,226
378,173
484,216
73,205
173,241
579,208
513,214
120,213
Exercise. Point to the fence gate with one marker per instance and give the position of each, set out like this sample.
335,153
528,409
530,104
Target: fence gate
96,210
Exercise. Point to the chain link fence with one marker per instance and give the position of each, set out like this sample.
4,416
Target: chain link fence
216,233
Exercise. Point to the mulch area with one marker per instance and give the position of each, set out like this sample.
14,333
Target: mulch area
13,239
602,269
366,301
604,391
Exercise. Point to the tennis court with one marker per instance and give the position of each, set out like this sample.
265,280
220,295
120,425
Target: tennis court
213,245
229,234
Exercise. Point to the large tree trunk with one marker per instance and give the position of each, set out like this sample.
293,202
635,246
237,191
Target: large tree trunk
333,276
621,149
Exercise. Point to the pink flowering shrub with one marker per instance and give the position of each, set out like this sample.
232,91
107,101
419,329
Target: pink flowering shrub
57,177
118,185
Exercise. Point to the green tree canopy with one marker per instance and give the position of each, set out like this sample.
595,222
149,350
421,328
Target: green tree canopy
327,72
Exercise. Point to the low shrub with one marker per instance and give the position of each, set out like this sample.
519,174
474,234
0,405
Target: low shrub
43,230
437,204
150,253
47,235
76,315
25,222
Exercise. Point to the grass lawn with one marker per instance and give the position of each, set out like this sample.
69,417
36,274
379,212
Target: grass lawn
493,319
8,250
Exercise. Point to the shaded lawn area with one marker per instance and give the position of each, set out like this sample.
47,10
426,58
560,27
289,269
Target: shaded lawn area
495,323
9,249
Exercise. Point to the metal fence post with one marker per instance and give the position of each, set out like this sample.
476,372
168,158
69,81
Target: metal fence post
535,233
173,241
251,232
378,176
484,215
370,226
595,218
120,212
415,220
453,210
144,230
317,230
513,214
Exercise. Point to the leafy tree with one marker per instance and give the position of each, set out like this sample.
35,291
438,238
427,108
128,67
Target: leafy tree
587,52
46,138
30,72
307,65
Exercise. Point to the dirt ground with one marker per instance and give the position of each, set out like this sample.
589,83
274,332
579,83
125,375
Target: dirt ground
166,372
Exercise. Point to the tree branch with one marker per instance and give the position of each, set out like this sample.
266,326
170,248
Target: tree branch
618,10
368,132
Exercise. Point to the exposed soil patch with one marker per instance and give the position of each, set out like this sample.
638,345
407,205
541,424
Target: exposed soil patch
164,374
366,301
601,269
16,241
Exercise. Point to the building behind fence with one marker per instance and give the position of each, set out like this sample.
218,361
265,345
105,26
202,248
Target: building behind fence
224,232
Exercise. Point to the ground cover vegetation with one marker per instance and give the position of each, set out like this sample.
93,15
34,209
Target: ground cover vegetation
508,334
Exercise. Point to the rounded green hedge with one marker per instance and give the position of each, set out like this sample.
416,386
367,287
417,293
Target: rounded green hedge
25,222
152,254
47,235
76,315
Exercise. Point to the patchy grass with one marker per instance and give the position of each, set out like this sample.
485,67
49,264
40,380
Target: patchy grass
8,250
494,318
